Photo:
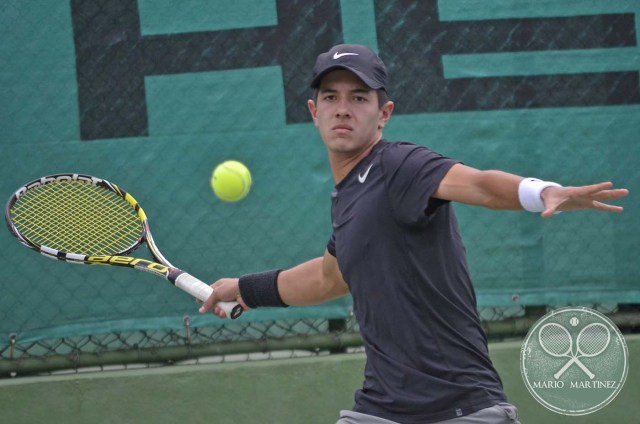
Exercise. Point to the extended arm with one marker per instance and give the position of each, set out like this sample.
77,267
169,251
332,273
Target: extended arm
499,190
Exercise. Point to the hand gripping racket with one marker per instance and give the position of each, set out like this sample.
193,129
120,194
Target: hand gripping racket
83,219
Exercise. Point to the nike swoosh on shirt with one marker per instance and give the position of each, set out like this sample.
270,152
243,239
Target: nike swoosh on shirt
363,177
337,55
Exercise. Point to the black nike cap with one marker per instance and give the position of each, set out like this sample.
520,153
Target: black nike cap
359,59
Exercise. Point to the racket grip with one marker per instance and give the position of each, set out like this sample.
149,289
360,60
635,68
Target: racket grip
202,291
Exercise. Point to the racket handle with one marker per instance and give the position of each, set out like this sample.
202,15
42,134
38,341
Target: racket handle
572,361
202,291
564,368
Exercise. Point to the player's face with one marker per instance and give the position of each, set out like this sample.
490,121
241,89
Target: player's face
347,114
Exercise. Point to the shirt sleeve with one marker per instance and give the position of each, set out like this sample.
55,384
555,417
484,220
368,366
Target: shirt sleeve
413,174
331,245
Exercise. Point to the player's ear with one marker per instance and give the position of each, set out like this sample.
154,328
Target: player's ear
385,114
313,111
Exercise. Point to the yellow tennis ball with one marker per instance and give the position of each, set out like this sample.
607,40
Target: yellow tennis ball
231,181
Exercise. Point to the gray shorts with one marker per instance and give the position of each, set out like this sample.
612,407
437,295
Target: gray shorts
502,413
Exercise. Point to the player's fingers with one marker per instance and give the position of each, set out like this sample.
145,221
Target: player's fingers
209,303
611,194
219,312
601,191
583,192
607,208
594,188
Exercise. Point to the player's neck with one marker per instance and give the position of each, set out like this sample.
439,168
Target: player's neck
343,163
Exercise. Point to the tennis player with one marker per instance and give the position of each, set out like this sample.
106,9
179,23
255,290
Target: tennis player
396,248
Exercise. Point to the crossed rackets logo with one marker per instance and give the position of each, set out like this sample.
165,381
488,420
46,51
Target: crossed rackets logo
556,341
587,355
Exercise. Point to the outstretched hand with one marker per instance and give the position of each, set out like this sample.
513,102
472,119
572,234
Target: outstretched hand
585,197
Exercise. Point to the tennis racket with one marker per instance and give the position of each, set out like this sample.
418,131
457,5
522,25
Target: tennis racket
83,219
591,342
557,342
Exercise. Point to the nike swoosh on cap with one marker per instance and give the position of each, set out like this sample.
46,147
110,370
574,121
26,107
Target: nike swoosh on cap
337,55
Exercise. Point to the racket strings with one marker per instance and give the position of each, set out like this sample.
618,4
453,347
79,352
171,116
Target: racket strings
555,340
77,217
593,339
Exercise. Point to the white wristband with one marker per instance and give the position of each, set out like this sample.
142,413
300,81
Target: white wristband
529,192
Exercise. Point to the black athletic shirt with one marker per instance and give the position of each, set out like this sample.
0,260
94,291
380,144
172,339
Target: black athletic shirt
402,256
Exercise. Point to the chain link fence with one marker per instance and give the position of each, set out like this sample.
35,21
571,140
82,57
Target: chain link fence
243,342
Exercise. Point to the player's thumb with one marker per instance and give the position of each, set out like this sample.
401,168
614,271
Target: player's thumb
548,212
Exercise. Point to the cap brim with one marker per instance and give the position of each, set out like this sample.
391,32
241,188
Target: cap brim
315,83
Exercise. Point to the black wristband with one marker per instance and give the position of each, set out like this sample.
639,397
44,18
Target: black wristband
261,289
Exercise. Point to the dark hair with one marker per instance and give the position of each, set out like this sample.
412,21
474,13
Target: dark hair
383,96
